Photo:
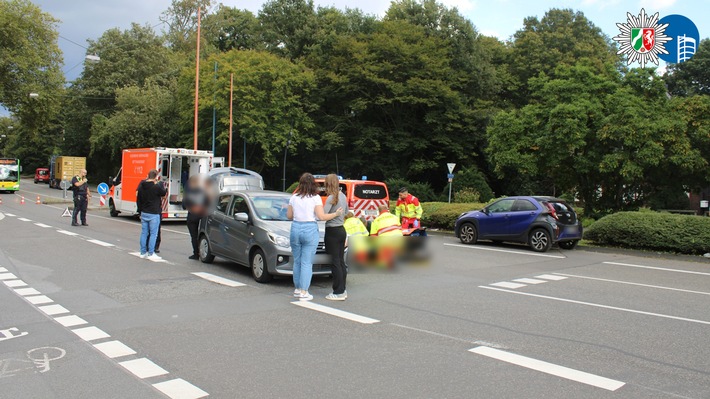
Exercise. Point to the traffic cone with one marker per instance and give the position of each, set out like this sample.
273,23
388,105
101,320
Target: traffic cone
38,201
22,200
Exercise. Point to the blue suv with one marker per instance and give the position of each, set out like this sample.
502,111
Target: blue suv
537,221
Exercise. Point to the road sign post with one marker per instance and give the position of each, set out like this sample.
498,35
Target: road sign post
450,176
102,189
64,185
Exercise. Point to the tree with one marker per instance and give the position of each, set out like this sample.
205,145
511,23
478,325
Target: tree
288,26
230,28
692,76
181,19
30,62
271,99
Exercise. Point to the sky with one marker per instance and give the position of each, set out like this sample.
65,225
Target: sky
88,19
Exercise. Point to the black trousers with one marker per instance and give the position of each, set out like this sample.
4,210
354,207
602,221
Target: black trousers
80,204
192,226
335,247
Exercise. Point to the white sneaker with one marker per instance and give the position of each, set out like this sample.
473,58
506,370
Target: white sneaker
154,257
305,296
297,293
143,256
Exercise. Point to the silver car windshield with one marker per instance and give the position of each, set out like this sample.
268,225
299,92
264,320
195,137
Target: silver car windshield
271,208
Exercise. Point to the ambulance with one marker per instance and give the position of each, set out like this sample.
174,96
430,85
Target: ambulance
364,196
174,165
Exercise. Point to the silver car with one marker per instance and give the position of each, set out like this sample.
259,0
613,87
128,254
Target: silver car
251,229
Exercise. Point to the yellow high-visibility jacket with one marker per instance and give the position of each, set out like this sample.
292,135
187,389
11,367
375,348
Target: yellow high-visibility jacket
354,226
386,224
409,208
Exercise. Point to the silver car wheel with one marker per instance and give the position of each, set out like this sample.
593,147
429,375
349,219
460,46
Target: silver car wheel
468,234
257,265
539,240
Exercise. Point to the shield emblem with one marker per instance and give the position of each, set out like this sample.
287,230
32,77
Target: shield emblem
643,39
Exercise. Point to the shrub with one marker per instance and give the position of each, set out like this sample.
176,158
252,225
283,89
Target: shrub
467,195
423,191
472,179
443,215
652,230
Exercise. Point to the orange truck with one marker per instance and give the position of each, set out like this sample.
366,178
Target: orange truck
174,165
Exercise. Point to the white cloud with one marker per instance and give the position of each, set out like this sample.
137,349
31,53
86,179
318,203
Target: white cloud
656,5
601,4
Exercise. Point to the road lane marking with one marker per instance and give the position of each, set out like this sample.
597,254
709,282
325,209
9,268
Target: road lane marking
138,254
143,368
70,321
477,342
180,389
3,270
506,284
10,214
218,279
529,281
102,243
504,250
69,233
15,283
335,312
551,277
656,268
42,225
549,368
27,291
39,299
24,219
598,305
90,333
114,349
7,276
637,284
53,309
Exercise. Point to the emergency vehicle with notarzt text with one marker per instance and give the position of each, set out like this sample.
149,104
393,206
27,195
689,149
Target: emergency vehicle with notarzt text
364,196
174,166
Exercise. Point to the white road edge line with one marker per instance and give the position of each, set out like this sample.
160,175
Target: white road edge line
218,279
598,305
504,250
335,312
550,368
637,284
180,389
657,268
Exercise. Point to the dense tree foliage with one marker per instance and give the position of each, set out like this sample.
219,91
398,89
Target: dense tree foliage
550,111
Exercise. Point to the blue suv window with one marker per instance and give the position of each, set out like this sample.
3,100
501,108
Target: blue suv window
504,205
523,205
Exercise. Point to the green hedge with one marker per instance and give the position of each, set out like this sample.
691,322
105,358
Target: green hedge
442,215
654,231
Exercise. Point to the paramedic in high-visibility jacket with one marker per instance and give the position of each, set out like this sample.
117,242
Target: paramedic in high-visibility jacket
386,224
408,209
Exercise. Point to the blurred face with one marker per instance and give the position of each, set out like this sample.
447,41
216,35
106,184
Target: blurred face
83,173
403,195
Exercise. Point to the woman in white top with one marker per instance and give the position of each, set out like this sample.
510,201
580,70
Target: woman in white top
304,207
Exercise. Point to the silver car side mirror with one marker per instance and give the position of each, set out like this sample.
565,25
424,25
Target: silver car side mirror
241,217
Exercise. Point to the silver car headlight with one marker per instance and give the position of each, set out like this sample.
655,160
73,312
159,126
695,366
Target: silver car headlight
280,240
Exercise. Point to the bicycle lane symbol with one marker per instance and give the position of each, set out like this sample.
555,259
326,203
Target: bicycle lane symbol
38,360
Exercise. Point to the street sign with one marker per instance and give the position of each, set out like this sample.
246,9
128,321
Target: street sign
451,167
450,176
64,185
102,188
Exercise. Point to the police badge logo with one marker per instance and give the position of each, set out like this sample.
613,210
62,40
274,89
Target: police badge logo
642,38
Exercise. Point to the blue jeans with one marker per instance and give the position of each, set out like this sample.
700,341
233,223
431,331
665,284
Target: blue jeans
304,242
149,225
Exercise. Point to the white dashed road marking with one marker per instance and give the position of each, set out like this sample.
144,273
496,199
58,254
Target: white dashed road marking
69,233
7,276
529,281
218,279
549,368
504,250
90,333
114,349
143,368
506,284
27,291
3,270
335,312
10,214
38,300
551,277
42,225
597,305
15,283
24,219
180,389
70,321
102,243
53,309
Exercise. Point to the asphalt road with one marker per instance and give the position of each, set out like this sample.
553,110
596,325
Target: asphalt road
81,316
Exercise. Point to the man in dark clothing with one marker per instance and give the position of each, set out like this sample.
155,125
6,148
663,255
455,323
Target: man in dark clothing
195,201
149,200
160,225
80,186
